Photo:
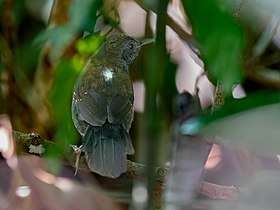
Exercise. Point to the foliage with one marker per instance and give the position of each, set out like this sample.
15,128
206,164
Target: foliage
221,41
40,63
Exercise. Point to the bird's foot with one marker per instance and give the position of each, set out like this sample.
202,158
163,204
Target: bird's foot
78,152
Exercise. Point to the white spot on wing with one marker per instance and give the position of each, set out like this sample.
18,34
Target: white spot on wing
108,74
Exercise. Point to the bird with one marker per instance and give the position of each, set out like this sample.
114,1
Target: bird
102,105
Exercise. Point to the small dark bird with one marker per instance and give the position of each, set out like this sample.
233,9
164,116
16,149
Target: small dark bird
102,106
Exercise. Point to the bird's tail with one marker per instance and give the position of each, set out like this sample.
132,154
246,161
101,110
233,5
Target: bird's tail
106,148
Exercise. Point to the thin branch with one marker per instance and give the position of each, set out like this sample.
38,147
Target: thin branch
184,35
33,144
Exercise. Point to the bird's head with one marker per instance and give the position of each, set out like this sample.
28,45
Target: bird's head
123,47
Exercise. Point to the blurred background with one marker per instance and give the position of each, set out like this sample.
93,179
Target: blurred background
44,45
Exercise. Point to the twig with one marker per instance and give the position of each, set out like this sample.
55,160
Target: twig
215,191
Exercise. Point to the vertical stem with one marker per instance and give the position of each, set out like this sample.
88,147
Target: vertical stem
157,61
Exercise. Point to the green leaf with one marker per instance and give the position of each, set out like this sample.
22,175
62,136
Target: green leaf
256,129
221,40
83,14
82,17
89,45
236,106
60,99
252,122
60,37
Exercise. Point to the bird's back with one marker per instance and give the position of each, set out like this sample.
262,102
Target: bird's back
102,106
102,111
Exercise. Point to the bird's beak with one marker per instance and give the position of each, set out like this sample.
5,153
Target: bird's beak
146,41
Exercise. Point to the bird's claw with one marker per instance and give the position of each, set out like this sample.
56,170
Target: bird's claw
78,152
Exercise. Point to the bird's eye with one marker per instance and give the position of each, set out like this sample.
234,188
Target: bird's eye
131,46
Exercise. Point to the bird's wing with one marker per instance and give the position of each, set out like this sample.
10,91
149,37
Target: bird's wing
95,103
92,108
120,110
79,123
89,104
